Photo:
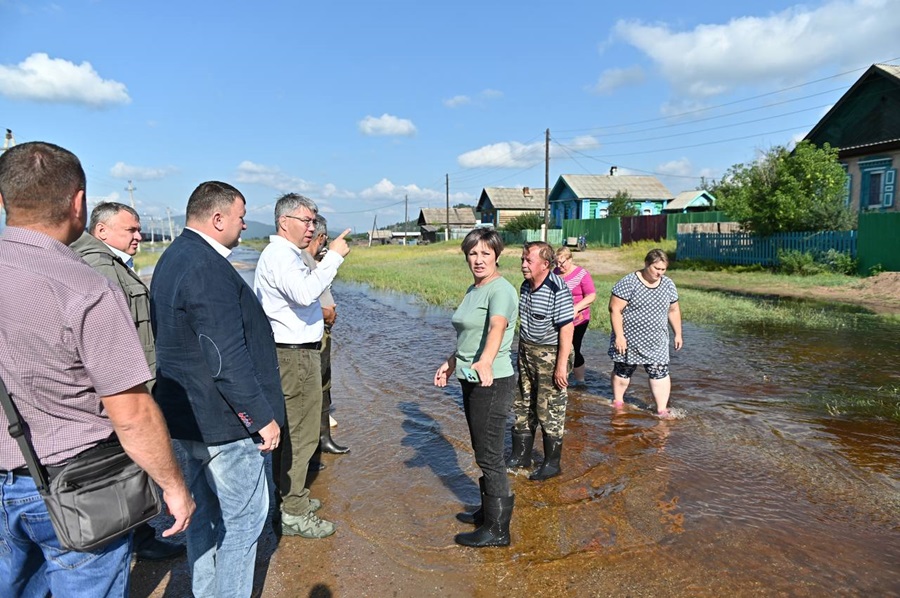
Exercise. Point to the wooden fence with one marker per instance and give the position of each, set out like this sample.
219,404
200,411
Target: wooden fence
744,248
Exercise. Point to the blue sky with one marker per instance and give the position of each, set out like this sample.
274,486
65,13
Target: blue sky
359,103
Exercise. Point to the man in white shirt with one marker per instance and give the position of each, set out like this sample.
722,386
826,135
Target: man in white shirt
289,293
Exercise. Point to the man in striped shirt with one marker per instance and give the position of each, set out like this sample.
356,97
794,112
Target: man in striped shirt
546,312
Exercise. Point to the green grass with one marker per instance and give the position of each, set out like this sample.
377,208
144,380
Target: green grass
438,274
145,259
883,403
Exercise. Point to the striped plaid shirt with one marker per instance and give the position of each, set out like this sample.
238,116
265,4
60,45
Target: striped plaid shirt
544,310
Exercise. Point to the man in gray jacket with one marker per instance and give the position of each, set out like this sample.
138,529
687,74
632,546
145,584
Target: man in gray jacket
108,247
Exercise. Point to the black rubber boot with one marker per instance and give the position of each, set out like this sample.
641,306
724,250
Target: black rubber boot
148,548
477,516
552,453
495,529
520,456
326,443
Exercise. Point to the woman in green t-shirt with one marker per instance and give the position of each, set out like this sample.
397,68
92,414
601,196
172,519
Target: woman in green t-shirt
485,322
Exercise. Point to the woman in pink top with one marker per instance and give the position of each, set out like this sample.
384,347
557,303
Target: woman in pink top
583,294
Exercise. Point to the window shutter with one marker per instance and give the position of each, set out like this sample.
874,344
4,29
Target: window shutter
848,186
887,197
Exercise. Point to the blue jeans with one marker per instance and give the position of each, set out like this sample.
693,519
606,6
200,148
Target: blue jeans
228,482
32,564
487,408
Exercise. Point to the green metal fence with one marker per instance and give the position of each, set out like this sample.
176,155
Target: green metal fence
606,231
744,248
879,242
674,220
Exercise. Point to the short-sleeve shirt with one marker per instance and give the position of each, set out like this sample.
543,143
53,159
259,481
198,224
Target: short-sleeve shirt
66,340
581,285
472,321
646,320
544,310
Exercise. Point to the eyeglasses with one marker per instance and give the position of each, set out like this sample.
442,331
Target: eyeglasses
306,221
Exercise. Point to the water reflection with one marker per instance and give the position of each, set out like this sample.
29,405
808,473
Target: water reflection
757,491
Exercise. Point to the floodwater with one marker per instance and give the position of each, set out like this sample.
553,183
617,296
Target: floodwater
756,491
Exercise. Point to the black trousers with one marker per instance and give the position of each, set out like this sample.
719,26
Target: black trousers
487,409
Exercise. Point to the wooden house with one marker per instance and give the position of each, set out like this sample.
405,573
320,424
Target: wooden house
431,220
499,205
587,196
864,125
691,201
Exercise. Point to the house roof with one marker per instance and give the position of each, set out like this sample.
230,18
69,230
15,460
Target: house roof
686,198
604,186
867,114
512,198
461,217
380,234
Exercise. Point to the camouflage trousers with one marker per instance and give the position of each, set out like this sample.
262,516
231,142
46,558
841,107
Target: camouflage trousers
539,400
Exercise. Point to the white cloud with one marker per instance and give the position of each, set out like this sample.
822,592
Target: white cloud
457,101
506,154
387,124
612,79
140,173
681,167
387,190
714,58
272,177
585,142
93,200
44,79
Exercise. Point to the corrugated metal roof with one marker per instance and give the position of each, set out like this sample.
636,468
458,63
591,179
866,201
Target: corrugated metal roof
513,198
890,69
684,199
438,216
604,186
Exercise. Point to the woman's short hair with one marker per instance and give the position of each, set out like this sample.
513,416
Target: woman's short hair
485,235
564,252
656,255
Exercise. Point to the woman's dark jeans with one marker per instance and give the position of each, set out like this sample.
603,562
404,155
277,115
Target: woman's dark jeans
487,409
577,337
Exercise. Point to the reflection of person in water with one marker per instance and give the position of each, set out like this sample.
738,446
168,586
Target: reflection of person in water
485,322
641,306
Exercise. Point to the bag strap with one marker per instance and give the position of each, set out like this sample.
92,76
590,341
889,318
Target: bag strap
18,429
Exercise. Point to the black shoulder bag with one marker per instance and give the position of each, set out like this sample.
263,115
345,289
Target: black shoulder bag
98,496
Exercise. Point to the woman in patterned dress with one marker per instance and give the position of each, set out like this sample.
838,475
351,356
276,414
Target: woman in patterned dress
641,307
581,285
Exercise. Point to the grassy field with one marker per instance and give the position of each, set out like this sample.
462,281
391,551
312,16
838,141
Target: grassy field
145,259
438,274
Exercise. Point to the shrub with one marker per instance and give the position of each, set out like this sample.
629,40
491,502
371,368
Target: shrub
797,262
808,263
527,221
839,262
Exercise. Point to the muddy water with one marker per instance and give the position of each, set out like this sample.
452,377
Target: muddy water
757,490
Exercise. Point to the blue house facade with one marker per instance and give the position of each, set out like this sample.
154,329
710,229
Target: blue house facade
587,196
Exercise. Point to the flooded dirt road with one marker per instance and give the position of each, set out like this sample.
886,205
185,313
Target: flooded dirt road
756,491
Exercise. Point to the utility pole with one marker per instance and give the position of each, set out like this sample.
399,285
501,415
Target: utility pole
131,189
405,218
171,226
374,224
546,230
447,230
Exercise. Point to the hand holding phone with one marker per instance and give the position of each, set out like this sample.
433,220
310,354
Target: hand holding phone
471,375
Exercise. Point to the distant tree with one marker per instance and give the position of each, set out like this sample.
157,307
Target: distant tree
463,205
621,205
787,191
527,221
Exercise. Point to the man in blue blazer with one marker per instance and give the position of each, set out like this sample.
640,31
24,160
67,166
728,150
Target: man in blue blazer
219,388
